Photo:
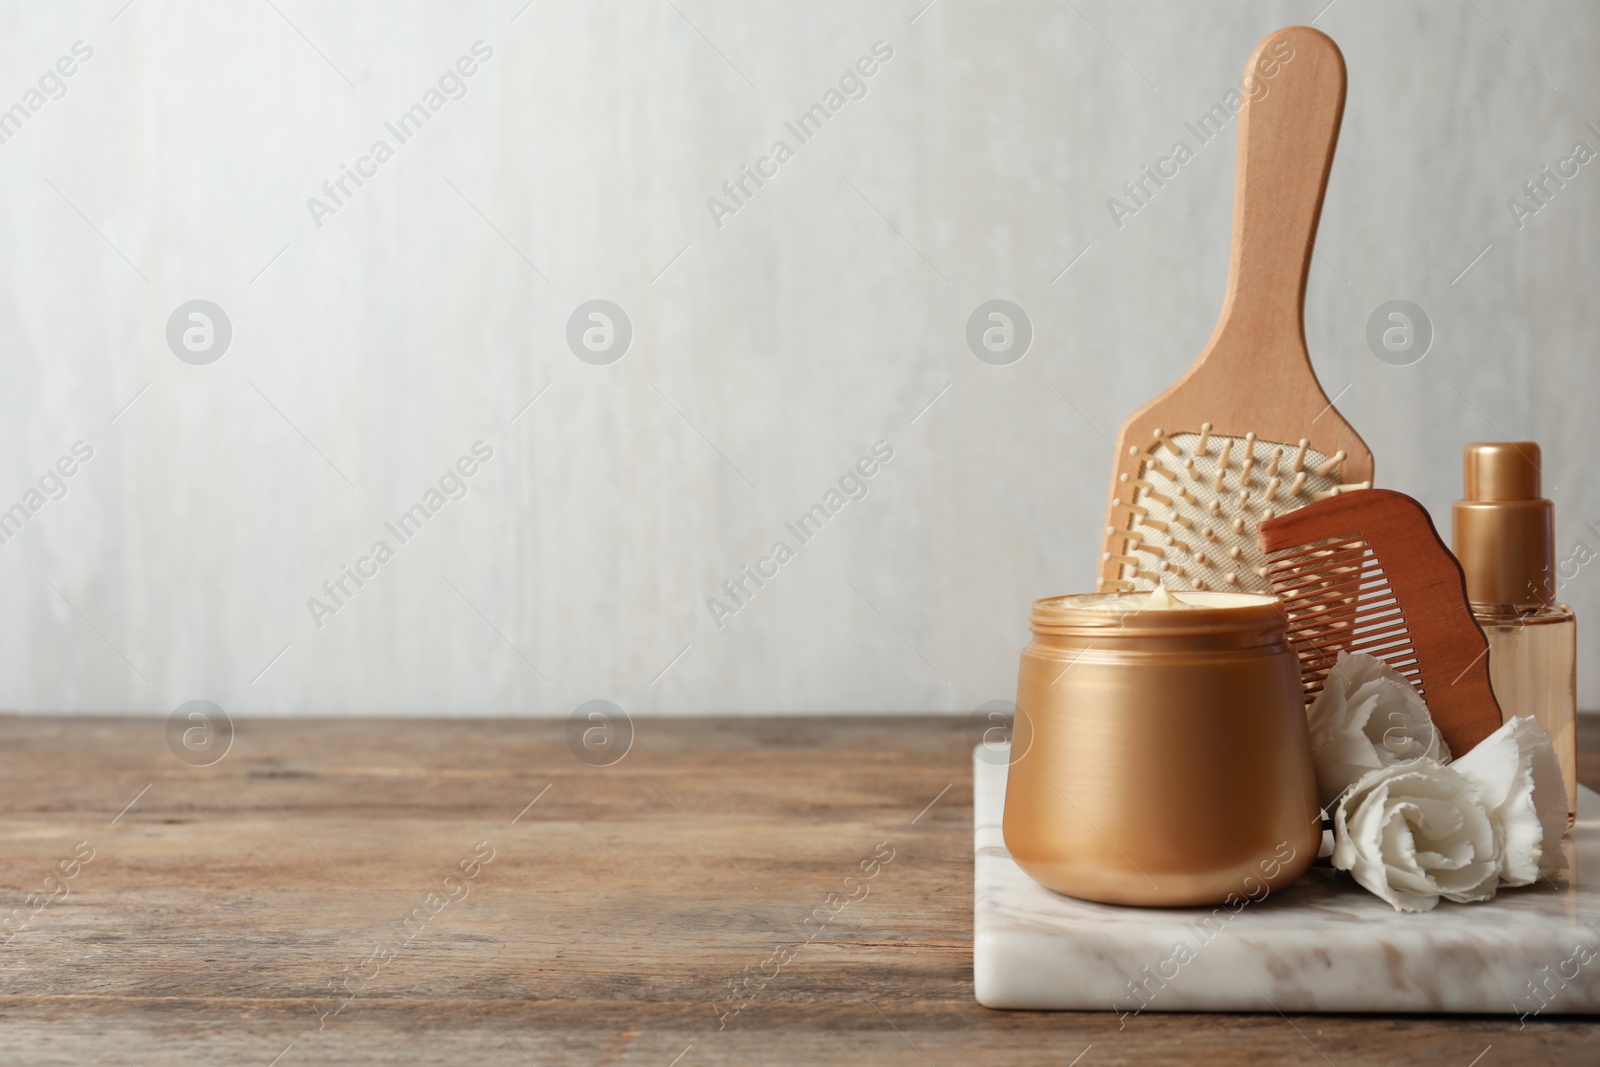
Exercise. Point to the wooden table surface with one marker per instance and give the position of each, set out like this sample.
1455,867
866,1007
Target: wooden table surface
306,899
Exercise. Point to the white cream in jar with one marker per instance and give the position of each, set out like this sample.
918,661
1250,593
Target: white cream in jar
1162,599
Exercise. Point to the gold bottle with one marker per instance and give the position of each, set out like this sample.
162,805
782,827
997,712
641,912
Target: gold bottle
1161,757
1504,535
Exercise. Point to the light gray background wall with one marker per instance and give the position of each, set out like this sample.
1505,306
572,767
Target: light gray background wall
767,356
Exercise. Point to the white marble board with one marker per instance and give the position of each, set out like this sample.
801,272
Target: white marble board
1322,945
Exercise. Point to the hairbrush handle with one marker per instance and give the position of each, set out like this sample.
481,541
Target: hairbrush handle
1293,100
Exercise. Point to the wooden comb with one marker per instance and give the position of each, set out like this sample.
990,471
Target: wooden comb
1186,499
1366,572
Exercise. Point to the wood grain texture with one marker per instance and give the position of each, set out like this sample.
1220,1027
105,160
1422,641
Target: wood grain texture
217,910
1254,374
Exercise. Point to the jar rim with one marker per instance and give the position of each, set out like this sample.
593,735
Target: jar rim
1070,614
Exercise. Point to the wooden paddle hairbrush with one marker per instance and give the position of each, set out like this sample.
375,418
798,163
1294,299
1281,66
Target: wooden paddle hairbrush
1199,467
1366,572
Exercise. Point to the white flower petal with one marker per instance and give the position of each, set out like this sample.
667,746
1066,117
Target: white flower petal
1367,716
1413,833
1516,777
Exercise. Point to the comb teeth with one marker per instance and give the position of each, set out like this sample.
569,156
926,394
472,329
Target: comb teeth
1215,490
1338,599
1413,613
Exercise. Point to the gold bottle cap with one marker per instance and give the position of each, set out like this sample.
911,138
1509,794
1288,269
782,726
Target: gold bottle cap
1503,532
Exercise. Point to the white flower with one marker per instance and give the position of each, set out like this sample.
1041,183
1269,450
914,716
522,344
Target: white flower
1518,783
1367,716
1413,832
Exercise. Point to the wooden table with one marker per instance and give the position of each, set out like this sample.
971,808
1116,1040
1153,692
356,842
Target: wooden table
305,899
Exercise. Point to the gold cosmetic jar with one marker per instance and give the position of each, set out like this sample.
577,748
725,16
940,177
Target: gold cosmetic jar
1160,754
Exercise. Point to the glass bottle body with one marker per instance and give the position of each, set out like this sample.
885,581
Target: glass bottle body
1533,656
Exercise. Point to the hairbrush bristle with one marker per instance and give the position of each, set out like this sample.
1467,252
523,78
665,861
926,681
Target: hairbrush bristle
1216,488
